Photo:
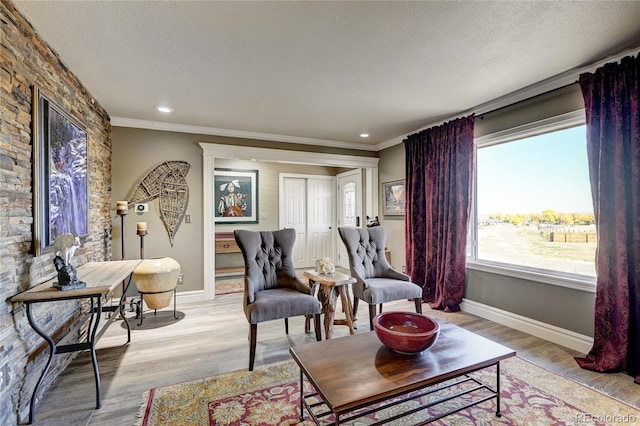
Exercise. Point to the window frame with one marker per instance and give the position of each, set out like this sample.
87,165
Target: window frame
558,278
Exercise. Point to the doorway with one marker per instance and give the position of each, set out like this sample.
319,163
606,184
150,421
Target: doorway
307,204
212,151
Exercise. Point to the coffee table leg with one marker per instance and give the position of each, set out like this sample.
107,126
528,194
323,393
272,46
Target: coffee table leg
498,413
301,398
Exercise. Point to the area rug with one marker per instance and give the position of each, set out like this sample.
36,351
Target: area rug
229,285
531,395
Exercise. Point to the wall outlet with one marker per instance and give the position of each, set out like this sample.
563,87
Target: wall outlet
181,279
142,208
404,269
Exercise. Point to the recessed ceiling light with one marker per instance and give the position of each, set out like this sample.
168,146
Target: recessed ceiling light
364,135
164,108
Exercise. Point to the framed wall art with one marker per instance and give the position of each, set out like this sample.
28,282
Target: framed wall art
236,196
393,197
60,175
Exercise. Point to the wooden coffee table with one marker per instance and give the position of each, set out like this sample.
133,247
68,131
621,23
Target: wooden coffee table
358,371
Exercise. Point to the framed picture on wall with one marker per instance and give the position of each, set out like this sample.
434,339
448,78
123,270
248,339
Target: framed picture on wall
393,197
60,184
236,196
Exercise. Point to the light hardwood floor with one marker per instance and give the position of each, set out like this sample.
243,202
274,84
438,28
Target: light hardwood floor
211,338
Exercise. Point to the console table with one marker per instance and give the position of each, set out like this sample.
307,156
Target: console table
225,243
101,278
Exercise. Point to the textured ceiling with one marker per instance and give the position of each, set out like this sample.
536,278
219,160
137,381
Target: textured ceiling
322,70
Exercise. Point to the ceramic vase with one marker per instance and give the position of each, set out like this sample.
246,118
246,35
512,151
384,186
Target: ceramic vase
158,276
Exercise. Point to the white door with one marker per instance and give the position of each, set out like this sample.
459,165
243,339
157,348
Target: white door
320,218
349,207
308,207
294,193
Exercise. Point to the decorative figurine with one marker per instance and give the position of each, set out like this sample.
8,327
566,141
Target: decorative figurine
66,245
372,222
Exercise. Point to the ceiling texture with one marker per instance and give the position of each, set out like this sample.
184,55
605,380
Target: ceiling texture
322,72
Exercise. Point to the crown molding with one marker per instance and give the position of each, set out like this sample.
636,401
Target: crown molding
202,130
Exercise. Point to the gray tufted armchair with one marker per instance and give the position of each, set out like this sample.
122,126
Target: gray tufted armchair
272,290
376,281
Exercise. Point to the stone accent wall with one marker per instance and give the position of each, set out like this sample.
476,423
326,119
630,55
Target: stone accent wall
27,60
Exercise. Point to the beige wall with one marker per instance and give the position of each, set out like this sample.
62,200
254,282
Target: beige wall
560,101
136,151
392,167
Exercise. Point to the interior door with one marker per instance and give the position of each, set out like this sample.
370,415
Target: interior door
308,206
349,208
320,218
294,192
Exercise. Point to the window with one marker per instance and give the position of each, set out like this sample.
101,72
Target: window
349,205
533,207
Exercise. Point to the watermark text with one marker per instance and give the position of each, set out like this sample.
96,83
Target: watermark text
606,418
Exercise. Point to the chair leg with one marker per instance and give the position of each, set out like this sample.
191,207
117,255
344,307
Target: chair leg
372,313
418,302
252,345
286,325
380,310
355,306
316,325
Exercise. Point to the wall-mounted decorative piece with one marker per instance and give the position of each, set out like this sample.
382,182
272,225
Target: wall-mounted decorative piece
60,174
236,196
167,181
393,197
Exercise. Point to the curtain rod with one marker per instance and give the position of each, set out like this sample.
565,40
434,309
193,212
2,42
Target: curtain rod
551,84
482,115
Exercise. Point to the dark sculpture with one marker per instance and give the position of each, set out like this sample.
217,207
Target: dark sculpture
67,276
372,222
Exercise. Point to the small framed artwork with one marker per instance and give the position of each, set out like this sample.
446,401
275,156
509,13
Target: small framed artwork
236,196
393,197
60,177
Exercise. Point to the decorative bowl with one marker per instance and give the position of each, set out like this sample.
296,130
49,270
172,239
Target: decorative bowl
406,333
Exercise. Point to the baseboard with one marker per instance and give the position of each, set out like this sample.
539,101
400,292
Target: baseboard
560,336
190,296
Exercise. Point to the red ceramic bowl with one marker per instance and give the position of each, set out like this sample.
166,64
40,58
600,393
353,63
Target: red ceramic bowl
406,333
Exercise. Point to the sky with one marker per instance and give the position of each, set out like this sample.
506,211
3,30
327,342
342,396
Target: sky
531,175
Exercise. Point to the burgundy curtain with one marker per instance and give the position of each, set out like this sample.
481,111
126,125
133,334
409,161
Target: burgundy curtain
439,164
611,96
